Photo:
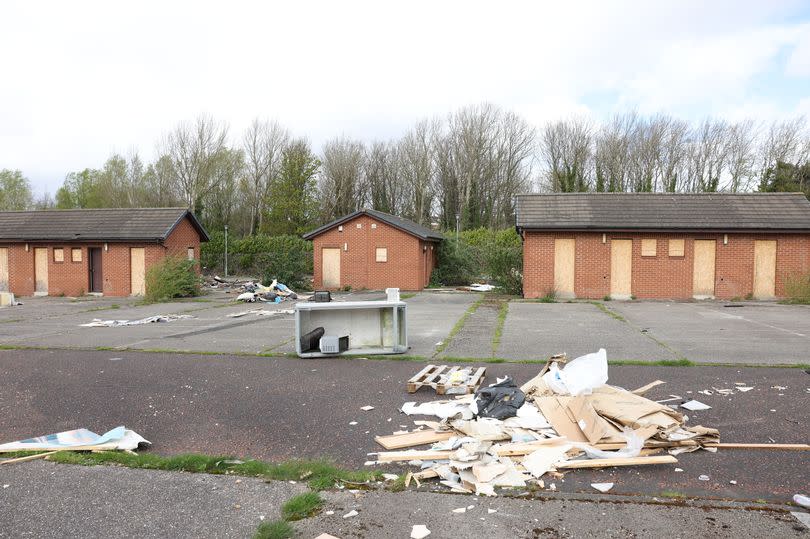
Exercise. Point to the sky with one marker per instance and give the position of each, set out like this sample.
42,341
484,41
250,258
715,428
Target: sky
81,80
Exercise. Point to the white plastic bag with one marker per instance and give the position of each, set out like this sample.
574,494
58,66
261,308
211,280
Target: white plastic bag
580,376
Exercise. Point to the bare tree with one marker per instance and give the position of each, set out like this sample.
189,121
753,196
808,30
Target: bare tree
262,143
706,157
384,184
192,149
566,149
341,183
740,146
416,164
612,156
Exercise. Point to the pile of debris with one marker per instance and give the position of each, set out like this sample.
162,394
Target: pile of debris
564,418
275,293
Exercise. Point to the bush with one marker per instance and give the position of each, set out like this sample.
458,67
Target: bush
481,255
172,277
286,258
797,288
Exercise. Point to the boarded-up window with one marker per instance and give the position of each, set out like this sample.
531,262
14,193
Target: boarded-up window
648,247
191,253
58,254
382,254
76,255
676,247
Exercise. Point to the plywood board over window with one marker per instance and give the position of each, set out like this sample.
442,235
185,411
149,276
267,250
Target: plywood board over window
58,254
382,254
76,254
676,247
648,247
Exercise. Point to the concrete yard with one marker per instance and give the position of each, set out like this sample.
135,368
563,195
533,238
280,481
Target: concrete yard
718,332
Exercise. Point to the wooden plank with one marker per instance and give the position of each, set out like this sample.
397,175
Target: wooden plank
644,389
41,269
604,463
399,456
415,382
330,268
27,458
784,447
477,378
524,448
419,437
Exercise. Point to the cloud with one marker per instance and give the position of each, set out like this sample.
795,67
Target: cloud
82,81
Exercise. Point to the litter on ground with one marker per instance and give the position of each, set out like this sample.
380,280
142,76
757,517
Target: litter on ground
117,439
694,406
98,323
419,531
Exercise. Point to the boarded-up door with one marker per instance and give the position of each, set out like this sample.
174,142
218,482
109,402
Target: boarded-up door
621,269
564,267
41,271
703,275
137,269
3,269
765,269
330,268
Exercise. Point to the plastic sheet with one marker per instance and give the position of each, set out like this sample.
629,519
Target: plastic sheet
580,376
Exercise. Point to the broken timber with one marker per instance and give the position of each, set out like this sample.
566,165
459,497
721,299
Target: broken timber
428,376
604,463
410,439
470,385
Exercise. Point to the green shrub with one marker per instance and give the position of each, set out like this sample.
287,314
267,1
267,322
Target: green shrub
797,288
172,277
481,255
286,258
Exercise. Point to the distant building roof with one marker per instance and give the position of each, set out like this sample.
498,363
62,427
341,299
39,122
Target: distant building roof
663,211
397,222
107,224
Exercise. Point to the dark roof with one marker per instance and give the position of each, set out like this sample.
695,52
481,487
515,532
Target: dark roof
397,222
108,224
663,211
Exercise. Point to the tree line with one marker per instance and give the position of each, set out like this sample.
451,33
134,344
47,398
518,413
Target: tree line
466,166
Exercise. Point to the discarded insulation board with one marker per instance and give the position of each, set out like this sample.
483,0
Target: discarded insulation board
372,327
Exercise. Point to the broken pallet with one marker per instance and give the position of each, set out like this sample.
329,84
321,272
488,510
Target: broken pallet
433,376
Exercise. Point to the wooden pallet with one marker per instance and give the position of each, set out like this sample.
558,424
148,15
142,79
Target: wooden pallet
429,376
470,385
433,374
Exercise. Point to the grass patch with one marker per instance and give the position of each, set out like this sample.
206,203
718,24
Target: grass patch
503,310
320,474
604,308
301,506
397,485
276,529
549,297
682,362
407,295
459,324
672,494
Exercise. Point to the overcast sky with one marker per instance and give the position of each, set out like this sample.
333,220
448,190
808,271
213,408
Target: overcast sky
81,80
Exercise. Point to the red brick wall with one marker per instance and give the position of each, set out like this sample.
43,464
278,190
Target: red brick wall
70,278
661,276
408,267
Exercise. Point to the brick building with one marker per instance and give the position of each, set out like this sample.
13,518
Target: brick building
668,246
369,249
107,251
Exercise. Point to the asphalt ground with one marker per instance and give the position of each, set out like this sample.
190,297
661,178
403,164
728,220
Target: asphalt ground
281,408
107,501
713,332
